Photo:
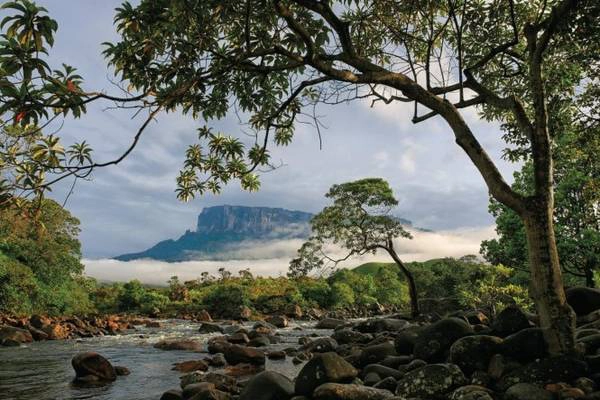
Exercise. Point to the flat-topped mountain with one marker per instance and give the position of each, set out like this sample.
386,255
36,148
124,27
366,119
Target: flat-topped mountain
221,229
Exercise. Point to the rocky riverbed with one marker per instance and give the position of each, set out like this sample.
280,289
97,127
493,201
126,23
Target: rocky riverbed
461,356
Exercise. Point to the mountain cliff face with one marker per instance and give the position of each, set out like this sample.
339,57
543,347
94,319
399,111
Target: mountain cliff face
222,229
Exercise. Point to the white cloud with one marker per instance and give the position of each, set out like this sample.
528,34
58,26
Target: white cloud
272,259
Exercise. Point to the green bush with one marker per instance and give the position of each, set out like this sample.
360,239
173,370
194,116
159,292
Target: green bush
342,295
226,300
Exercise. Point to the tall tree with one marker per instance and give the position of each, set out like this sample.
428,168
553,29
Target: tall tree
274,60
359,221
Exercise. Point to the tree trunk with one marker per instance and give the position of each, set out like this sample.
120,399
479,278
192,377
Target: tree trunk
556,317
412,287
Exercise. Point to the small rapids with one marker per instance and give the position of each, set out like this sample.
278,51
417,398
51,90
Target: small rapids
42,370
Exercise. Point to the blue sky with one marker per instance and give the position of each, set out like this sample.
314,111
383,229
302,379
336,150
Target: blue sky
131,206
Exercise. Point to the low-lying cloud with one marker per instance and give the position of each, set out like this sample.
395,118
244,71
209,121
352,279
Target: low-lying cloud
272,258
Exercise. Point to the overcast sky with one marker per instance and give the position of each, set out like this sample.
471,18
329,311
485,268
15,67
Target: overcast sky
129,207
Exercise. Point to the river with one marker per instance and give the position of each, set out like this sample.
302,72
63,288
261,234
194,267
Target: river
42,370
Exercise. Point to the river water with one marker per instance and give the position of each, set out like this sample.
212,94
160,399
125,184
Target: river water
42,370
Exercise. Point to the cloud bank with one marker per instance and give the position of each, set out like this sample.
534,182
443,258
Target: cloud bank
272,258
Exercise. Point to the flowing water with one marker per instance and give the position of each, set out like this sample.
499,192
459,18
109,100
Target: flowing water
42,370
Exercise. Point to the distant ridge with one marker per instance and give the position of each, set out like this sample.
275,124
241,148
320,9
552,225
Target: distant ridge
221,228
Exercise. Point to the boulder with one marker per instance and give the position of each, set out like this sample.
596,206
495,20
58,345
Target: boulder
376,353
278,321
204,391
321,345
350,336
472,392
190,366
294,311
434,341
583,300
245,313
39,321
433,381
527,391
337,391
172,395
235,354
204,316
382,371
376,325
405,340
56,331
268,385
547,370
525,346
510,320
208,327
92,366
323,368
473,353
221,381
179,344
15,335
329,323
122,371
238,338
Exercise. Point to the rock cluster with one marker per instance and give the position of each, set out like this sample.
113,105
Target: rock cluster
464,356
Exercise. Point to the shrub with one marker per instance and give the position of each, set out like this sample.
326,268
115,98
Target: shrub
226,300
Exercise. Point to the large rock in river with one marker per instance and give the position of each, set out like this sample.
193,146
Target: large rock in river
180,344
92,366
473,353
10,335
433,342
324,368
268,385
235,354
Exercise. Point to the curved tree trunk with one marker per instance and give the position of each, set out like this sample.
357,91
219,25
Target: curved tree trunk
556,317
412,287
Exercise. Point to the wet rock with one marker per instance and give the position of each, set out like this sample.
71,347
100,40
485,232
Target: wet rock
350,336
510,320
585,384
259,341
527,391
238,338
221,381
377,353
547,370
376,325
56,332
329,323
204,316
388,383
590,343
431,382
190,366
382,371
204,391
36,333
39,321
473,353
172,395
434,341
179,344
278,321
371,379
208,327
10,334
294,311
321,345
235,354
268,385
276,355
525,346
472,392
405,340
92,366
583,300
337,391
154,324
122,371
323,368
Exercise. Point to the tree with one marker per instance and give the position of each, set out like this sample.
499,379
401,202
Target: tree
359,221
33,98
576,216
274,61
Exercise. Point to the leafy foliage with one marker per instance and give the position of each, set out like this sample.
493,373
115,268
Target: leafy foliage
40,268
